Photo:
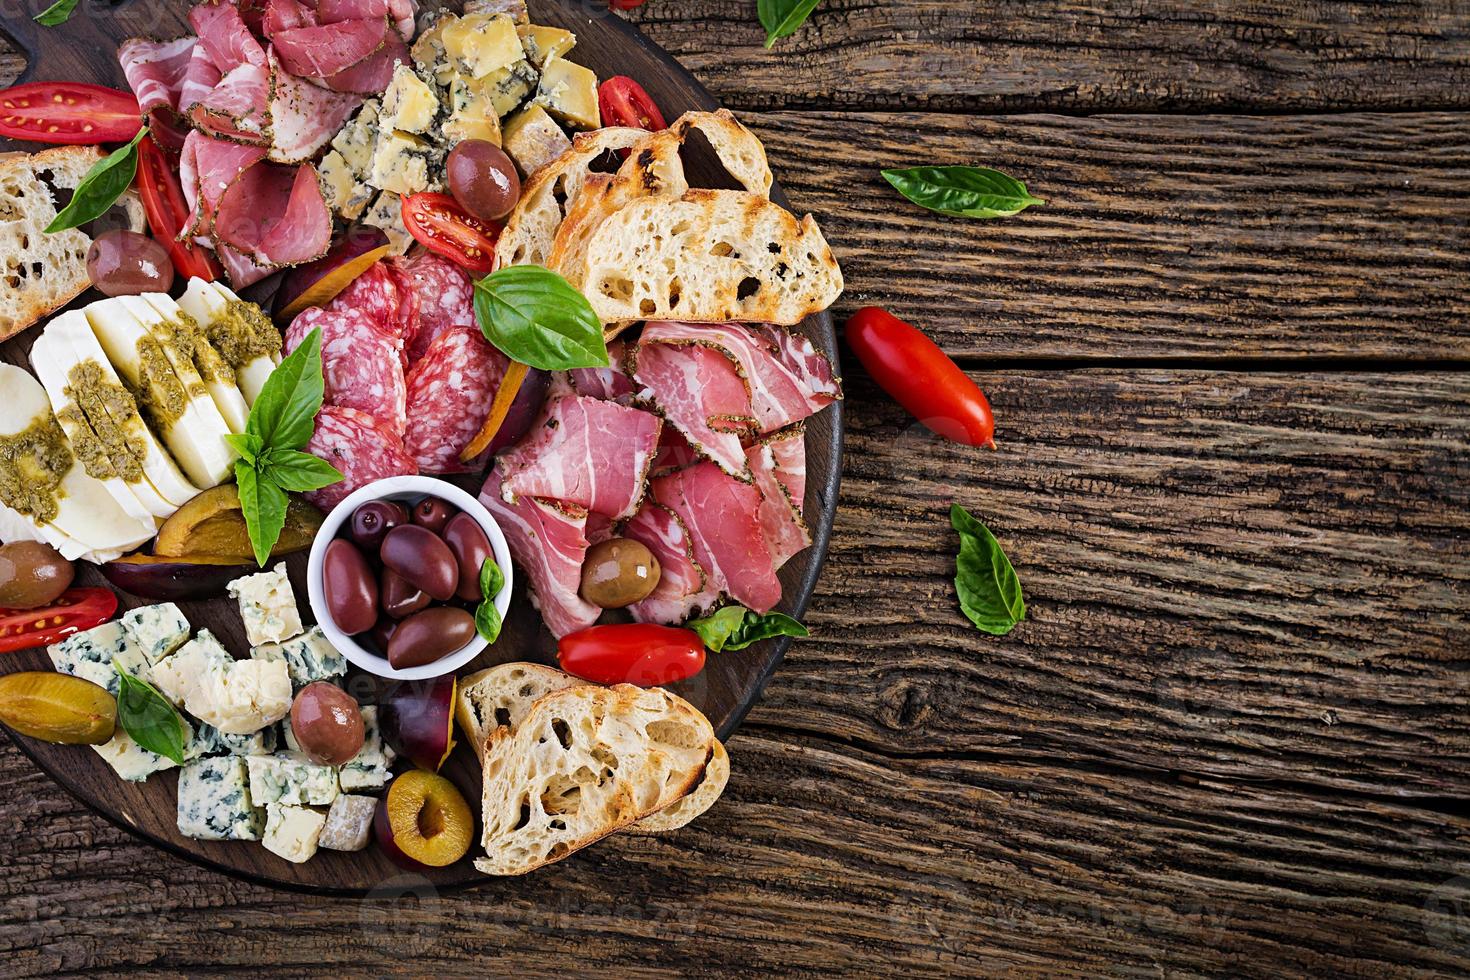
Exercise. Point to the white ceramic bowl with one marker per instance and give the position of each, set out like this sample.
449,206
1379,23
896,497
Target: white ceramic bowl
406,490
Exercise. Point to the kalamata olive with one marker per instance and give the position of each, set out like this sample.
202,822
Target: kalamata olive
398,598
373,520
125,263
32,574
426,636
618,572
524,411
381,633
432,513
327,723
422,557
351,589
467,540
483,179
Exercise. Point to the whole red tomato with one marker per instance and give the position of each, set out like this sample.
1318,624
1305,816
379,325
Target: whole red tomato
632,653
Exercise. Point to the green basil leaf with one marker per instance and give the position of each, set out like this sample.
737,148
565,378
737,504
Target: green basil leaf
58,13
291,469
492,579
487,621
264,506
101,187
535,316
247,444
782,18
735,628
989,591
963,192
148,718
284,412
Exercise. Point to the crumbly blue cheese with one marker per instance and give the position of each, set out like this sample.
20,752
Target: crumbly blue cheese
354,141
309,657
267,605
401,163
130,760
344,192
290,778
214,801
428,52
387,214
369,768
179,676
544,43
90,655
349,822
211,741
156,630
509,86
292,832
569,92
480,44
409,104
243,696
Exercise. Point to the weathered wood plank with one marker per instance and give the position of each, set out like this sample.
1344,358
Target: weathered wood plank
1078,56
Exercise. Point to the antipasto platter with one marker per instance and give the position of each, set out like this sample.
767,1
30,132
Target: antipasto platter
414,677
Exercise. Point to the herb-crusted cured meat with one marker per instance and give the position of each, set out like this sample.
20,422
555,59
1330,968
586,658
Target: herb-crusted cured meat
682,588
449,393
155,70
360,368
722,515
698,391
361,448
785,532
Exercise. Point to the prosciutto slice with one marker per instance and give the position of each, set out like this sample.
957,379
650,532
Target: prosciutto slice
207,167
682,587
788,450
200,78
275,214
238,107
722,515
610,383
372,74
225,36
155,70
547,540
698,390
304,117
784,531
284,15
326,49
595,454
241,268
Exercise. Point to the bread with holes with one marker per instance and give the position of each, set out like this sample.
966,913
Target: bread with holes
586,761
43,272
703,796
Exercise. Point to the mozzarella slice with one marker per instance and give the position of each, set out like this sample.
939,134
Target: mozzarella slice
240,330
177,404
218,376
72,330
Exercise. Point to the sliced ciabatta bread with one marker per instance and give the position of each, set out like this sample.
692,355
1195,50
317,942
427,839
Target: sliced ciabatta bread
700,798
41,273
710,256
586,761
501,697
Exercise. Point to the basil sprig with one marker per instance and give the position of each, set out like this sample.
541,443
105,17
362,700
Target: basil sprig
536,317
735,628
148,718
100,187
58,13
989,591
963,192
487,617
271,462
782,18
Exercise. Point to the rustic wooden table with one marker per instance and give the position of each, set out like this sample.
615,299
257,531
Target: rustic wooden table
1229,362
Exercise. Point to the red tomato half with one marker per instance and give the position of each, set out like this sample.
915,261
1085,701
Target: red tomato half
68,112
632,653
623,102
163,202
73,611
439,224
920,377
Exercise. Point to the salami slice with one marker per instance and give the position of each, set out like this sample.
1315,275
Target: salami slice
449,393
408,306
361,449
375,293
445,298
360,368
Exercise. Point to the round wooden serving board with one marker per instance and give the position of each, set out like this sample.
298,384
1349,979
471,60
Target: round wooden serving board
84,49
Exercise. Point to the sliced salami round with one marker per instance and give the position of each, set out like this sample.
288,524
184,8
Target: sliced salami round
360,367
449,394
408,306
375,293
445,298
359,447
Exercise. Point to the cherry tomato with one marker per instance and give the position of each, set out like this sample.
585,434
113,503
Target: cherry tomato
632,653
68,112
623,102
163,202
625,5
920,377
73,611
439,224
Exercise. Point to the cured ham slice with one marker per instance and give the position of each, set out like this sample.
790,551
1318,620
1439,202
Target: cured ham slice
238,107
284,15
371,75
361,450
674,452
698,391
241,268
360,367
224,34
682,589
788,450
304,117
610,383
803,361
405,17
599,528
443,297
155,70
275,214
548,542
583,451
784,531
722,515
200,78
207,167
449,394
335,11
327,49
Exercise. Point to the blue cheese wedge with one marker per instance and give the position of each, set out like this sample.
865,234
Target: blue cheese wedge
309,657
267,605
157,631
349,823
90,655
509,86
409,105
292,832
429,56
354,141
480,44
345,193
544,43
569,92
402,163
211,741
130,760
180,675
243,697
472,115
214,801
369,768
387,214
287,777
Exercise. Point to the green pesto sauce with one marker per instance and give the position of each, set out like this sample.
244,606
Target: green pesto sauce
243,333
159,390
85,445
105,401
212,367
32,465
178,346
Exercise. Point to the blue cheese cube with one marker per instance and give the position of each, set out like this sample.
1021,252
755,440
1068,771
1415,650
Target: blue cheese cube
292,832
402,163
409,104
349,823
267,605
508,87
214,801
90,655
157,631
308,657
479,44
369,768
290,778
211,741
243,696
130,760
354,141
344,192
180,675
387,214
429,56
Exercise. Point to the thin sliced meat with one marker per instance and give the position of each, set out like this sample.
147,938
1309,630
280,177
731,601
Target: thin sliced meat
285,15
242,269
225,35
326,49
276,214
372,74
809,365
698,391
674,452
360,368
335,11
408,306
405,17
304,117
584,451
449,394
600,528
443,298
361,450
207,167
155,70
547,541
780,520
376,293
788,449
200,78
682,588
238,108
167,129
610,383
722,515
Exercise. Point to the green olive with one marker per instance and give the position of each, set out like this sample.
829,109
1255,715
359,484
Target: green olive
618,572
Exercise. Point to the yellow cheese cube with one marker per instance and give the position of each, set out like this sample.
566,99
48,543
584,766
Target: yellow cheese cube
482,43
409,104
473,116
569,93
532,139
544,43
401,163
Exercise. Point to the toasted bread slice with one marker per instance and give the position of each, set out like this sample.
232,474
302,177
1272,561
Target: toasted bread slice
586,761
41,272
700,798
501,696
